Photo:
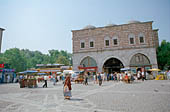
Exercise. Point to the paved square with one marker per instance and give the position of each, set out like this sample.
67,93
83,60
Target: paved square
147,96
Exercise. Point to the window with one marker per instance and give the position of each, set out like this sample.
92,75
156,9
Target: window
131,39
141,38
82,44
115,41
106,42
91,44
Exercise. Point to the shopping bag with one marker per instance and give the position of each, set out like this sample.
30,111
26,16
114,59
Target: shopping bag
66,89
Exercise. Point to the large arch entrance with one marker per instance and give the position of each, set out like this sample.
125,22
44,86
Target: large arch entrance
112,65
89,65
139,62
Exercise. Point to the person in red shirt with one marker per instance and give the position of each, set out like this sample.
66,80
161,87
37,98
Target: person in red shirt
67,88
126,78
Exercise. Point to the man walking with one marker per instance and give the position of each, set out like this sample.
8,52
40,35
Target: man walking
45,80
100,79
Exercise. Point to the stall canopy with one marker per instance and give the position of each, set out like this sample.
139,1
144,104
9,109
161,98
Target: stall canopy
28,71
125,69
41,73
154,69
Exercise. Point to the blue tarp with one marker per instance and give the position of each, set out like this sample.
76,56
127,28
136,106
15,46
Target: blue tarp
28,71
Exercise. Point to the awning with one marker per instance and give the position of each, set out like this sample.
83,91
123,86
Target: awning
154,69
125,69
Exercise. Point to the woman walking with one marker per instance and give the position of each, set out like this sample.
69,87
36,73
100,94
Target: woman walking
67,88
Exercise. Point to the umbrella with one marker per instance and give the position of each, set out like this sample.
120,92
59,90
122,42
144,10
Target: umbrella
154,69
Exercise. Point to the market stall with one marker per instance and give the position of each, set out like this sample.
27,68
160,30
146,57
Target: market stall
27,79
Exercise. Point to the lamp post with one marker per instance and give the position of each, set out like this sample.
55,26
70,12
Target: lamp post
1,31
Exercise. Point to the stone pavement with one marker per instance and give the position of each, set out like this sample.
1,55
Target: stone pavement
147,96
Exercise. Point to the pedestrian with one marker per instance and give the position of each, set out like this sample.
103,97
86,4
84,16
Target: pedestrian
94,78
67,88
108,77
86,79
168,75
126,78
45,80
111,76
121,76
100,79
102,75
58,78
8,78
138,75
143,76
54,80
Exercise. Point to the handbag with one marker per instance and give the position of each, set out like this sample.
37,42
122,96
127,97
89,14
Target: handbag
66,89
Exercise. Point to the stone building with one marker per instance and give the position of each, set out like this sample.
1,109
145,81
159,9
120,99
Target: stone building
1,31
112,47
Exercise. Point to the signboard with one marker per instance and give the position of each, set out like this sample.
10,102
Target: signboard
1,65
7,70
49,70
90,69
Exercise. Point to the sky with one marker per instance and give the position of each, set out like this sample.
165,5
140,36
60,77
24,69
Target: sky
46,24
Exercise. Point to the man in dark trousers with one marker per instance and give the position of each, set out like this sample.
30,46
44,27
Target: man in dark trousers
100,79
45,80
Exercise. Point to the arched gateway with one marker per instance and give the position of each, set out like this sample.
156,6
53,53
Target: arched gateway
139,62
88,64
112,65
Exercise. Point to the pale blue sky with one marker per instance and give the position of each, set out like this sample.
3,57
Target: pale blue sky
46,24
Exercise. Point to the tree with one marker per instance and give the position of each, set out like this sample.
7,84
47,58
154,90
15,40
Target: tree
62,60
15,59
26,59
163,55
53,55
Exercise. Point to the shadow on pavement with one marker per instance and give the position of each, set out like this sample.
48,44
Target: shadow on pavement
76,99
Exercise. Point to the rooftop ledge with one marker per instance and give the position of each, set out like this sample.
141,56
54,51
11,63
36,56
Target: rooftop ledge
112,26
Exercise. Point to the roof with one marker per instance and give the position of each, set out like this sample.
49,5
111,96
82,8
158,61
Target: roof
130,22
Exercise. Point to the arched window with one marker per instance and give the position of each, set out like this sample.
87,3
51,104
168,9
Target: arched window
131,39
88,62
141,38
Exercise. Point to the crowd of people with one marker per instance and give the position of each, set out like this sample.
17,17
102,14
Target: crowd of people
96,78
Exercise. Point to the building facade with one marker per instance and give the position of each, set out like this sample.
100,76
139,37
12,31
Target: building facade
1,31
110,48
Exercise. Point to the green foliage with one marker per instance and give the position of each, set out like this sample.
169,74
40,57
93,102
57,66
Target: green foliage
62,60
163,55
14,59
25,59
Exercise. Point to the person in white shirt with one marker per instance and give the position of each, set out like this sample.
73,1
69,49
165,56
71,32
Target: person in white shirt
45,80
138,75
94,78
168,75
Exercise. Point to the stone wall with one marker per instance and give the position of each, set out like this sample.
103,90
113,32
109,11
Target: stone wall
120,31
